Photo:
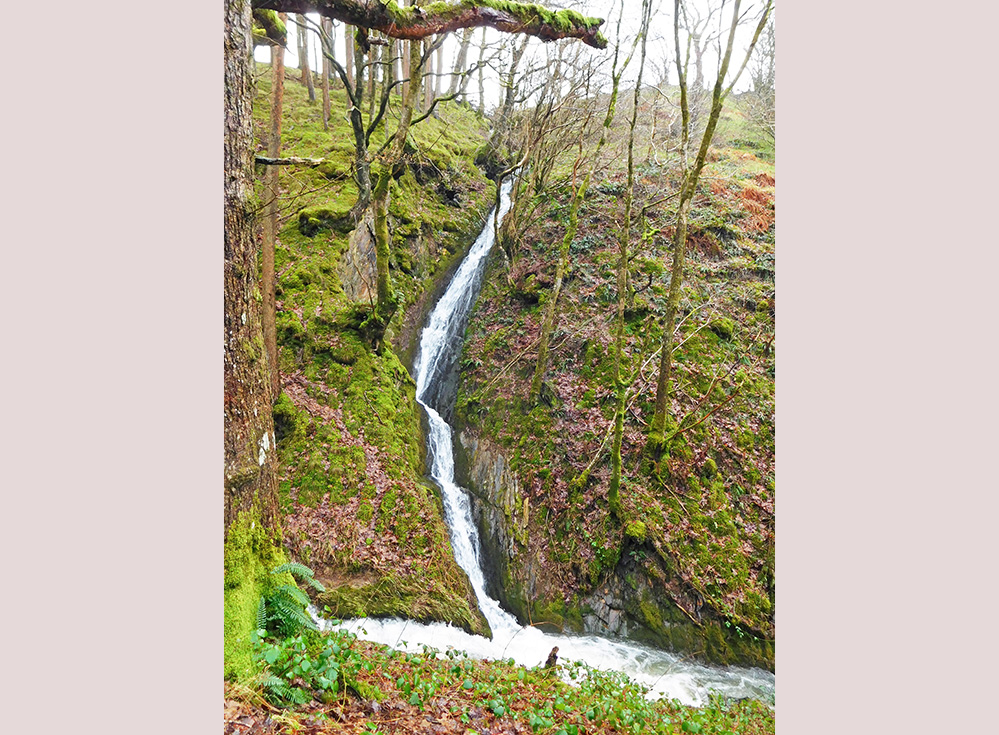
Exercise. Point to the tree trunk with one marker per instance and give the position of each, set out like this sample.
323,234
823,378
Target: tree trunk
348,46
387,303
445,17
551,307
459,63
270,218
373,66
620,383
482,83
439,68
303,57
428,79
327,26
249,456
359,63
395,65
657,441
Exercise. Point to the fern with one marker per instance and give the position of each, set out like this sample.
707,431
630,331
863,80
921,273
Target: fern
302,572
279,691
290,617
289,592
262,614
283,609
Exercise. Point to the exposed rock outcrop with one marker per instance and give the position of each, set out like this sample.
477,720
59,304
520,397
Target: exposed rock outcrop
640,598
358,267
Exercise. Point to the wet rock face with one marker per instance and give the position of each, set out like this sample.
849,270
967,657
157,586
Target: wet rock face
358,267
608,616
495,498
640,601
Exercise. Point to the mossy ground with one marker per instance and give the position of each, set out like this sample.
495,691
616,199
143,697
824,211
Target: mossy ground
354,505
706,509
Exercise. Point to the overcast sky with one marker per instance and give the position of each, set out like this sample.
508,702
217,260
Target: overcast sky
660,46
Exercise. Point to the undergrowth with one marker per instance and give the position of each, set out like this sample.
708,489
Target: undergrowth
327,681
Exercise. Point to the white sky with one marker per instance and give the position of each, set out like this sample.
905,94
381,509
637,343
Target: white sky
659,49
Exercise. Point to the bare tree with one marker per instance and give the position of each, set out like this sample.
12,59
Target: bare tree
327,26
439,66
762,98
460,61
250,461
348,50
303,56
551,307
482,83
658,441
621,383
557,121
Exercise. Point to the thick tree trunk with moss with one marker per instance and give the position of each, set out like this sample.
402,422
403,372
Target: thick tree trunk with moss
249,456
270,223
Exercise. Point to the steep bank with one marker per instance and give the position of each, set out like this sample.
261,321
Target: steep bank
355,504
688,562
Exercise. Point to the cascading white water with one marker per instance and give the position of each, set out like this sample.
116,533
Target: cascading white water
665,673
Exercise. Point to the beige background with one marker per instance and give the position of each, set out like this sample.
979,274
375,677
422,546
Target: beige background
112,243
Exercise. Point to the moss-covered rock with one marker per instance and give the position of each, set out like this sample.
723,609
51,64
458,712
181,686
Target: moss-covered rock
249,555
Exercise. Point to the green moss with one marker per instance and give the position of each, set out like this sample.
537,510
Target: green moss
415,597
289,424
723,327
313,220
249,554
636,530
267,24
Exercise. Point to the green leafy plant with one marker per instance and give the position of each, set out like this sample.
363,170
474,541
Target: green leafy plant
282,610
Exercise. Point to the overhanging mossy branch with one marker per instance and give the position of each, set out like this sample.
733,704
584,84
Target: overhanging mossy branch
267,24
289,161
442,17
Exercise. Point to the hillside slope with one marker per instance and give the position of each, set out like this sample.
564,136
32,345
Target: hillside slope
356,506
689,563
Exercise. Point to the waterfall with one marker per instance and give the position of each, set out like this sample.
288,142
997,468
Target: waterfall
665,673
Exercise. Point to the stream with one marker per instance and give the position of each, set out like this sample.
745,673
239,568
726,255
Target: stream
666,674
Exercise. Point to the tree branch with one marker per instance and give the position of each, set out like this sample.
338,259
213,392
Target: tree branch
290,161
415,23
